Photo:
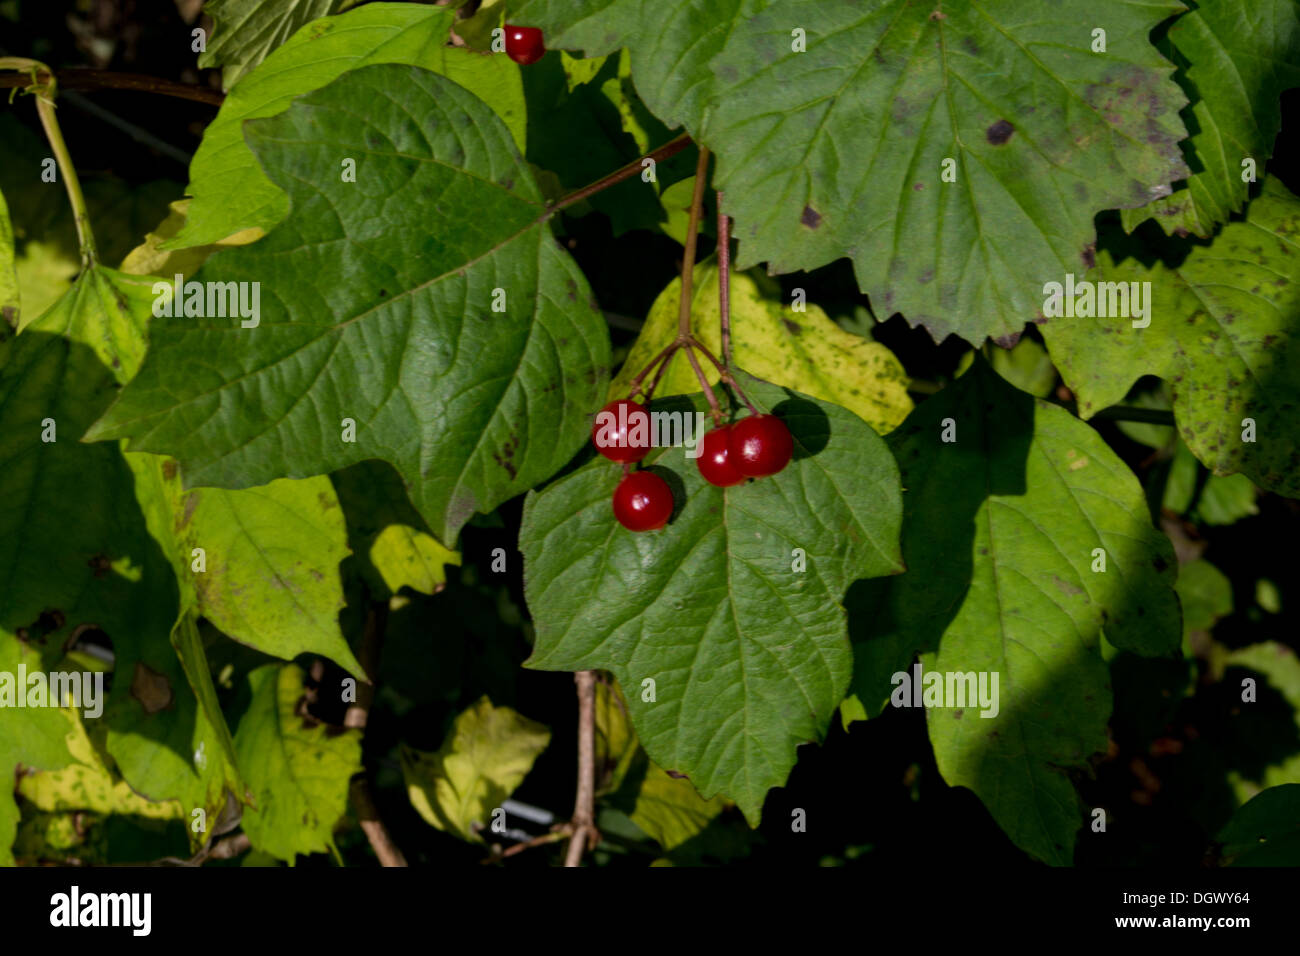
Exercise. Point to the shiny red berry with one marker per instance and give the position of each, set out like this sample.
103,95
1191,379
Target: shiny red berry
759,446
524,44
622,431
643,501
715,461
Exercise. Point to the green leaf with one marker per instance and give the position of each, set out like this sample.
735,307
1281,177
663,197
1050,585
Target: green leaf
1223,499
74,549
1239,56
1221,334
749,657
1205,594
999,538
614,128
1265,831
246,31
297,767
1026,365
230,189
485,757
8,272
670,811
88,782
272,555
472,406
839,150
106,544
800,350
671,43
33,737
1280,668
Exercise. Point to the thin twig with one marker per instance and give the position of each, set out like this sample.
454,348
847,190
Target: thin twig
77,79
688,257
724,281
669,149
357,715
584,808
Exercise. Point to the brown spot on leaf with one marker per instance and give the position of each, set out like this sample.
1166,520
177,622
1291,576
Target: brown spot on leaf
794,328
101,564
151,689
169,469
999,132
677,776
811,217
1089,255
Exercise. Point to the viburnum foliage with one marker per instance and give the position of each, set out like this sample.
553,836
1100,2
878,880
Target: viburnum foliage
945,403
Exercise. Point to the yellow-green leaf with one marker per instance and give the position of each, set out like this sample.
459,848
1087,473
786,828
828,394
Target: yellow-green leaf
805,351
485,757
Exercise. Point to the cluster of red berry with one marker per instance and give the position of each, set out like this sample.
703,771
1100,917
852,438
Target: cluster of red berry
754,447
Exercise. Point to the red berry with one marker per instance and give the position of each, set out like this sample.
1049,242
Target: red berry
524,44
759,446
616,434
643,501
715,462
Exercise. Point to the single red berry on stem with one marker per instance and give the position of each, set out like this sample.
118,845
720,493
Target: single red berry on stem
643,501
759,446
622,431
524,44
715,461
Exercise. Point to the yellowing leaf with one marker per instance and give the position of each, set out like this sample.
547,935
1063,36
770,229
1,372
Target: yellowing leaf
669,810
805,351
404,556
150,259
485,757
88,784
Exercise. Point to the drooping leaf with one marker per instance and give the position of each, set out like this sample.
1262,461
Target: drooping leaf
297,768
1265,831
805,351
1222,333
745,644
246,31
230,189
485,757
1001,536
471,405
1239,56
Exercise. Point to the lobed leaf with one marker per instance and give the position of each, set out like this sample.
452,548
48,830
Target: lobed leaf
747,654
